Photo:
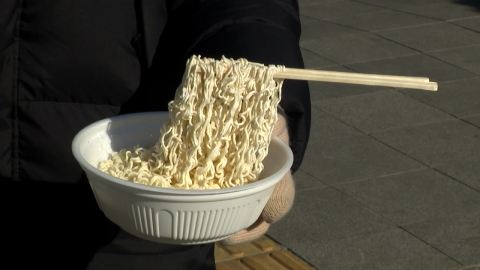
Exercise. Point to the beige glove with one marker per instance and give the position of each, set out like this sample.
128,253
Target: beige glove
279,203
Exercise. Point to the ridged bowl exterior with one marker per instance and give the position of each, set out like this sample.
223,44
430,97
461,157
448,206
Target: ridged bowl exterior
168,215
175,222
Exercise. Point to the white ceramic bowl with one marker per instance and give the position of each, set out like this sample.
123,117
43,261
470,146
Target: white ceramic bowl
168,215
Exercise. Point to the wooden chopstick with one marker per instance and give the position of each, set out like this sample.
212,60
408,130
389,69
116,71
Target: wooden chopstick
356,75
358,78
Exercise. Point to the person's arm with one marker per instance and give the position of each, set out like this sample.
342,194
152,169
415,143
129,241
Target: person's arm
262,31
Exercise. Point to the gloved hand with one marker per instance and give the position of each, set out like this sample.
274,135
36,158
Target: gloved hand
279,203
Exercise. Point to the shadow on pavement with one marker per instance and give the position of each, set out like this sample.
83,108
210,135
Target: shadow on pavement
473,3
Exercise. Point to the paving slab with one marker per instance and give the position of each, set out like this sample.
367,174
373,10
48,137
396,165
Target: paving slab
315,29
392,249
419,65
474,120
347,159
303,3
321,215
367,47
466,171
458,236
470,23
314,61
327,90
435,144
414,197
397,5
432,37
333,9
383,20
326,127
467,58
304,181
381,111
449,10
468,267
306,19
460,98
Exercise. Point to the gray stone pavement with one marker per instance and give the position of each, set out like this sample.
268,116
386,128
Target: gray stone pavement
391,177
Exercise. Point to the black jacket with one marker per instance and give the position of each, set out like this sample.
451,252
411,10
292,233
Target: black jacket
66,64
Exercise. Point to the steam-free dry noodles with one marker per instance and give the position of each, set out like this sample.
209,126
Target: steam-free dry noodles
218,132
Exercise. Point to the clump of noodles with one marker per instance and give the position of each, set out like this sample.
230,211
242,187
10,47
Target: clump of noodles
218,132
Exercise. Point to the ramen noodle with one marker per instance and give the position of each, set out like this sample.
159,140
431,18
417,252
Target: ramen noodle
218,131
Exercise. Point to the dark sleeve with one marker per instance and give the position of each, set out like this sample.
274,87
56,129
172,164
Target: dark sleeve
263,31
128,252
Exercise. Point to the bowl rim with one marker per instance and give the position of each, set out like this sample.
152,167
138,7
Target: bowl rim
79,138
